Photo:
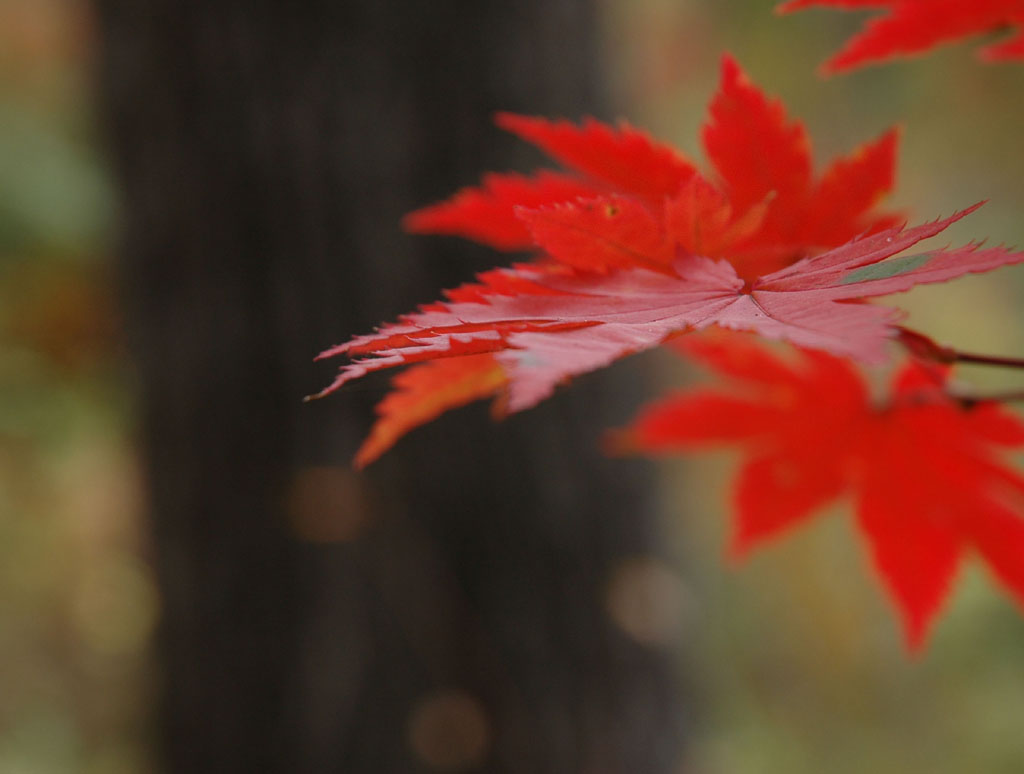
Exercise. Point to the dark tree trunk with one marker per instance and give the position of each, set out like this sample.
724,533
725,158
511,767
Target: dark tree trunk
447,609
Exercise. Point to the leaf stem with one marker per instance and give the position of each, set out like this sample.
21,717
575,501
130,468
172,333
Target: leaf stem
921,346
992,360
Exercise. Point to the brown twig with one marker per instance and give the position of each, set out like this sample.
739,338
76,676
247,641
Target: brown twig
923,347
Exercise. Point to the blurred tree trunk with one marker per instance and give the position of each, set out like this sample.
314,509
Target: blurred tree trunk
446,610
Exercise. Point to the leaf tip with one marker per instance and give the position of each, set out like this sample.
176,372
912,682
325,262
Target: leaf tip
365,456
728,61
517,123
915,635
732,74
318,395
739,547
833,66
502,118
417,221
790,6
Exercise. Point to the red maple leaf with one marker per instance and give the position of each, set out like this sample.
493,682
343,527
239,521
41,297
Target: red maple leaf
758,155
914,26
766,210
619,283
922,470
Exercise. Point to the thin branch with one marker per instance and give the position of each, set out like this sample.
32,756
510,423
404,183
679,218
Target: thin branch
992,360
923,347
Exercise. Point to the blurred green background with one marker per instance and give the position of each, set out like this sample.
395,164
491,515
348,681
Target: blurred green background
793,660
77,603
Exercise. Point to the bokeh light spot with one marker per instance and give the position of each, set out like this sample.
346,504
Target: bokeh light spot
449,731
648,601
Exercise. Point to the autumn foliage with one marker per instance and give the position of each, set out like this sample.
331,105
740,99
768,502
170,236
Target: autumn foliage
630,210
633,245
922,468
909,27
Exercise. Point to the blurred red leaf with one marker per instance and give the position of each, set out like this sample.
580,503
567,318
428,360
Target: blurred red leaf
922,469
913,27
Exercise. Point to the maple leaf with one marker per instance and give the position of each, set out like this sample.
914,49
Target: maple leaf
548,322
914,26
765,210
760,157
424,392
759,153
922,470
